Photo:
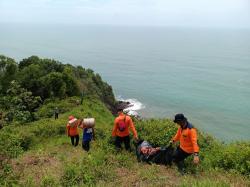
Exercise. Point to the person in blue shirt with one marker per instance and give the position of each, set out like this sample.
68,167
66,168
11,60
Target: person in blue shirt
88,135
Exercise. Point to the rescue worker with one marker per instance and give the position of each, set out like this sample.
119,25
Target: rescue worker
56,113
123,124
187,136
88,135
72,130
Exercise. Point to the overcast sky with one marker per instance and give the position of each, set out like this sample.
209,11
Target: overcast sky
201,13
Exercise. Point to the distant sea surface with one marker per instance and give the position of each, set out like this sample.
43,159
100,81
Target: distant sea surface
203,73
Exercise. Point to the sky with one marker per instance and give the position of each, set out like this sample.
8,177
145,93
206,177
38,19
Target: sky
193,13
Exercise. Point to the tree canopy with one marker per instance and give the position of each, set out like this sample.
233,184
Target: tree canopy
48,78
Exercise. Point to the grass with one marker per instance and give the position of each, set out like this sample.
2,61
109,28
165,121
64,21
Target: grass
40,154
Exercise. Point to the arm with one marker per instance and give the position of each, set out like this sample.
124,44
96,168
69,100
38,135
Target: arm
132,128
67,129
114,128
193,136
79,123
177,135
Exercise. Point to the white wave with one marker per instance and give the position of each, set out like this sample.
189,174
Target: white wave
135,106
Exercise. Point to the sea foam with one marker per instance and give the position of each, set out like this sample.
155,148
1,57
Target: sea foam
134,107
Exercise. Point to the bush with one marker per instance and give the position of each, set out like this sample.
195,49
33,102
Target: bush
234,157
47,110
10,144
158,132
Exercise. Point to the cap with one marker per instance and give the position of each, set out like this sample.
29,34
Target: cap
179,118
71,117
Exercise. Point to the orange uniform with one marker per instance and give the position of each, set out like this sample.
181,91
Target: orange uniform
129,126
187,138
73,131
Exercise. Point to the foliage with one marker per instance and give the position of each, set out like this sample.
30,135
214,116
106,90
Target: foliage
48,79
103,165
204,183
8,70
233,157
48,108
20,103
13,143
48,181
158,132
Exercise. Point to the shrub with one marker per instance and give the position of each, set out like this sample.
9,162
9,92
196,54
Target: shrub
158,132
234,157
10,144
47,110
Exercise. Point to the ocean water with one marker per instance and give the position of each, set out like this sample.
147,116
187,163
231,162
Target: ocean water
203,73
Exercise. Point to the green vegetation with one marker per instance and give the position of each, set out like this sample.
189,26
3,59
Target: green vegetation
35,150
40,154
27,84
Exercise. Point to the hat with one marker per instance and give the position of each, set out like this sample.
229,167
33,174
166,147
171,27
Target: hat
179,118
71,117
145,144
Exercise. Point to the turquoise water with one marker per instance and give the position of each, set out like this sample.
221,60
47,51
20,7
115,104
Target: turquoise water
204,73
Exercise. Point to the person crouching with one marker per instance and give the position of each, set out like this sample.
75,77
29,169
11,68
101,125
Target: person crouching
187,136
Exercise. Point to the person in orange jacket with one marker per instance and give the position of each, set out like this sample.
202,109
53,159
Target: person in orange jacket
72,130
187,136
122,125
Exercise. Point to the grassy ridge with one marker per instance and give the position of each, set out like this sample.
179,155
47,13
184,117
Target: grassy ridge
40,154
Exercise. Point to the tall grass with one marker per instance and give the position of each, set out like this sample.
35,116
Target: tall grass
102,163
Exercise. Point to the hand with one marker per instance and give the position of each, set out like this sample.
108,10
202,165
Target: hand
158,148
196,159
171,142
136,139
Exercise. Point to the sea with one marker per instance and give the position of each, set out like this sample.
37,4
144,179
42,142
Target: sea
203,73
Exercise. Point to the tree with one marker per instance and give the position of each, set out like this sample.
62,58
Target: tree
48,66
29,78
21,103
55,85
8,70
28,61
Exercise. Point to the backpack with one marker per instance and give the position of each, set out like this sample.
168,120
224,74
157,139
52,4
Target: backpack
122,125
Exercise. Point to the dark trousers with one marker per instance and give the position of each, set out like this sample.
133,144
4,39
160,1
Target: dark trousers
164,156
73,140
86,145
119,140
179,157
56,115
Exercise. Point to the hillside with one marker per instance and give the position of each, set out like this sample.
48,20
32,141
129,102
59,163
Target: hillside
28,84
35,150
40,154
